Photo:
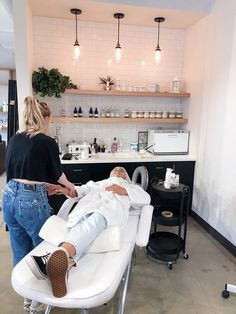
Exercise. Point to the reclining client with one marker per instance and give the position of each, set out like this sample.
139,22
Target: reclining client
101,204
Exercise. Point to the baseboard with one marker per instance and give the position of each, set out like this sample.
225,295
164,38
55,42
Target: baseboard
215,234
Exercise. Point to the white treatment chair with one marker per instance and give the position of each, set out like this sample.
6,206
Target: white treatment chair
95,279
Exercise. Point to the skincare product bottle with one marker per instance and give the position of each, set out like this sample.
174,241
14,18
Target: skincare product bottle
96,113
114,146
80,113
91,112
75,112
167,183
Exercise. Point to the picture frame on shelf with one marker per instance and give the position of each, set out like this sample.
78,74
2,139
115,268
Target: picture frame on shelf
142,139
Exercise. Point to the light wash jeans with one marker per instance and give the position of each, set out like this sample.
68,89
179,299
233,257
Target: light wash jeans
85,232
25,210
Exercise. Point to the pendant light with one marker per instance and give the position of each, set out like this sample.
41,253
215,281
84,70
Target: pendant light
118,16
158,49
76,52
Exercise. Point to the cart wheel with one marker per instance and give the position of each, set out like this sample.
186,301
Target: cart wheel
225,294
185,256
170,265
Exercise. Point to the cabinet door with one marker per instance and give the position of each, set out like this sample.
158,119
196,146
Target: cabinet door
77,173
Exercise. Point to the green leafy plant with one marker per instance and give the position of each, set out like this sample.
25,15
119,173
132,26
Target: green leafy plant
50,82
108,81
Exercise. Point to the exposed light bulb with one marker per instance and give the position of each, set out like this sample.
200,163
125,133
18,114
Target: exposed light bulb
76,52
158,55
118,53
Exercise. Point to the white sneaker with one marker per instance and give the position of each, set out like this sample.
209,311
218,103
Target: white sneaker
40,308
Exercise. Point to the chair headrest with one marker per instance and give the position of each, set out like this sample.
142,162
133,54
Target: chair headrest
143,173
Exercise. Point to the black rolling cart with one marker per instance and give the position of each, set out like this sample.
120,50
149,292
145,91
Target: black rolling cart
170,209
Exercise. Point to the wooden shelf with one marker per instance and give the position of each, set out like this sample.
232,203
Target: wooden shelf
118,120
124,93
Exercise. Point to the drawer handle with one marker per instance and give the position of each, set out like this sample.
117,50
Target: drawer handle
159,168
77,170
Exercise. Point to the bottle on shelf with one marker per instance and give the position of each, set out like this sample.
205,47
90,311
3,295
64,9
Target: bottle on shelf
80,113
75,114
95,145
91,112
114,145
96,113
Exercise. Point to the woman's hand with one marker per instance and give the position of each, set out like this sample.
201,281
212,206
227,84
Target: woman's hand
52,188
71,190
115,188
56,189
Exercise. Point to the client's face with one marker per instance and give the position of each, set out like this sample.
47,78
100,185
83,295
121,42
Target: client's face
119,172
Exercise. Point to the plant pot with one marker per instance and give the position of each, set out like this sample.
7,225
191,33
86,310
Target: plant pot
107,87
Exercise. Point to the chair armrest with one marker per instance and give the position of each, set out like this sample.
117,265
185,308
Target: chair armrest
144,226
66,207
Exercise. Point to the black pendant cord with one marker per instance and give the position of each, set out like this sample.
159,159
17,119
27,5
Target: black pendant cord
76,12
118,16
118,39
158,38
76,39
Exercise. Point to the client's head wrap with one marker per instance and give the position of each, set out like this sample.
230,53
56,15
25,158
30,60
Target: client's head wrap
127,178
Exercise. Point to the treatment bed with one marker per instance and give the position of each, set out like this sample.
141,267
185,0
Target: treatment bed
97,276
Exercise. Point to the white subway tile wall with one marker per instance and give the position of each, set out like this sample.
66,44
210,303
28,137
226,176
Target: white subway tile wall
53,47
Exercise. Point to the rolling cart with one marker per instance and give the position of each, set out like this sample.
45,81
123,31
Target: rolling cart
170,209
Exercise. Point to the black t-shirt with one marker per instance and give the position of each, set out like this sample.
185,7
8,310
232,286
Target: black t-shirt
34,159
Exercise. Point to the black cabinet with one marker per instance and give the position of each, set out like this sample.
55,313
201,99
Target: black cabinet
77,173
170,209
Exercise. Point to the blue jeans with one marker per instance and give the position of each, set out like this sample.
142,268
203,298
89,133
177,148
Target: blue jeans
25,210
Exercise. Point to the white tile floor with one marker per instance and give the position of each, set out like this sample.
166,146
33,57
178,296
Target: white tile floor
193,286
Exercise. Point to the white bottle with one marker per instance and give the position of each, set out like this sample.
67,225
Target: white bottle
167,182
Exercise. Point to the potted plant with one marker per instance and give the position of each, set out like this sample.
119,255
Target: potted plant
107,82
50,82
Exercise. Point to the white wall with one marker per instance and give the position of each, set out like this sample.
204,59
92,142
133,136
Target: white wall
53,43
22,18
210,70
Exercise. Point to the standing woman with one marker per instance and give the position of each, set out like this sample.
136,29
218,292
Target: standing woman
32,159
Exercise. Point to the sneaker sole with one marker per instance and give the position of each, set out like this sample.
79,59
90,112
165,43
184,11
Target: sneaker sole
34,268
57,270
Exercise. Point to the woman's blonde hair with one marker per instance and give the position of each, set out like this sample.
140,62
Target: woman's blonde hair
33,116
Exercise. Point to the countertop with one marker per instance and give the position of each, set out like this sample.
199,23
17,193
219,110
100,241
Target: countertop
126,157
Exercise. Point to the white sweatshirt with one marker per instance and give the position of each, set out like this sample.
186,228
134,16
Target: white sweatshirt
114,207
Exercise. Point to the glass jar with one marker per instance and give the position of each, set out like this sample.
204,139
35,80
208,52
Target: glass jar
172,114
134,114
140,114
159,114
152,114
179,114
164,114
146,114
126,115
108,113
102,113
